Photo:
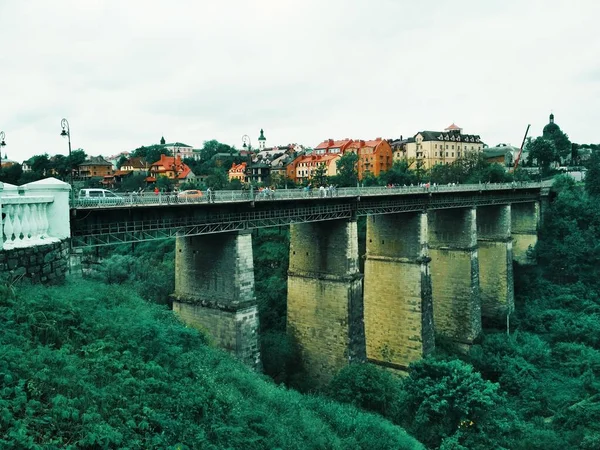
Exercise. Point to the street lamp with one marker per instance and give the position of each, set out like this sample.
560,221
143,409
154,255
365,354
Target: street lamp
66,132
246,141
2,143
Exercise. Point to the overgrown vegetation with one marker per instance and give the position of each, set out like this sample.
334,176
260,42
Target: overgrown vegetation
92,365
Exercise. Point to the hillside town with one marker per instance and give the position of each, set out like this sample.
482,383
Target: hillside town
174,166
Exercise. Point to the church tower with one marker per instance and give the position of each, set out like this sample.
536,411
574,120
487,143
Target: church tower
262,140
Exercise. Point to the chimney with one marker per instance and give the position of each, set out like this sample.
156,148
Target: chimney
378,139
362,142
330,141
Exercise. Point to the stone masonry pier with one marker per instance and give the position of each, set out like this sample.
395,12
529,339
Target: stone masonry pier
397,293
325,308
455,273
214,291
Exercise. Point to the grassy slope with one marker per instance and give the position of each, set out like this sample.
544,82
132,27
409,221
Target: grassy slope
89,365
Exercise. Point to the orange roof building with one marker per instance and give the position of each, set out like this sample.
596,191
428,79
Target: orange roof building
303,167
238,172
374,156
171,167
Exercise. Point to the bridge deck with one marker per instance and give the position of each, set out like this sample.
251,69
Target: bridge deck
149,217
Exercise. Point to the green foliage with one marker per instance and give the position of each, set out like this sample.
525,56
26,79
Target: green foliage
543,151
90,365
11,174
165,184
443,397
347,174
592,177
319,176
151,153
133,182
560,140
368,387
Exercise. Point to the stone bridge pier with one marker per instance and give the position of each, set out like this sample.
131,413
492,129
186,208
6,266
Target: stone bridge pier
325,304
214,291
495,262
455,273
397,295
525,218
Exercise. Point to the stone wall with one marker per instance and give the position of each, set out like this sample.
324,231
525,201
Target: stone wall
40,263
455,273
234,331
525,219
325,309
398,304
214,291
495,262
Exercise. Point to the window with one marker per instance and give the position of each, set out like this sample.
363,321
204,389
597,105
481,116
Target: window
458,154
435,153
446,154
446,148
452,147
453,154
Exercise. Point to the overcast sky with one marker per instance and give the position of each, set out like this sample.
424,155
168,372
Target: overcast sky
126,72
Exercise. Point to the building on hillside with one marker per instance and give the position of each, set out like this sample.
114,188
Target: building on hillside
302,169
279,165
238,172
171,167
374,156
502,154
332,147
26,166
180,149
5,162
221,159
114,159
139,165
96,166
258,172
399,147
442,147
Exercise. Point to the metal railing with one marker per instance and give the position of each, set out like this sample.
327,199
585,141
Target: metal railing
265,195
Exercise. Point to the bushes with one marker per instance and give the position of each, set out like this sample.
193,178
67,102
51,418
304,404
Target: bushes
94,366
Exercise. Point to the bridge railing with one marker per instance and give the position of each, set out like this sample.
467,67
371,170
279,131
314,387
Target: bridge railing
227,196
33,214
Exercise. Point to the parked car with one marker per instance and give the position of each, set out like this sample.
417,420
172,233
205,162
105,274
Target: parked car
189,195
92,197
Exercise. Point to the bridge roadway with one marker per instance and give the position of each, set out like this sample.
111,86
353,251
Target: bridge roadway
148,217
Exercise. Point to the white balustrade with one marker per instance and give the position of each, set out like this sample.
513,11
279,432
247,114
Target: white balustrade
34,214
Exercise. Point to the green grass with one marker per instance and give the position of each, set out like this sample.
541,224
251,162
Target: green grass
89,365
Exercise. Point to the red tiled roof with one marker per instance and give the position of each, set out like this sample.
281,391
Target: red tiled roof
452,127
120,173
170,164
330,143
150,179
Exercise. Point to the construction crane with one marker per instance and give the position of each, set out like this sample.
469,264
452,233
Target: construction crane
521,149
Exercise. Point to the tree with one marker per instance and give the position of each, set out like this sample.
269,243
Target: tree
122,160
164,183
444,397
560,140
592,177
543,151
346,169
319,176
398,174
217,179
151,153
133,182
11,174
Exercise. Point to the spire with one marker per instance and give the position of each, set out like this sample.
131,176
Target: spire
262,140
551,117
162,140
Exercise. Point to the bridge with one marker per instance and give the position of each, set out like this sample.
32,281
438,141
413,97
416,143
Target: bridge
438,260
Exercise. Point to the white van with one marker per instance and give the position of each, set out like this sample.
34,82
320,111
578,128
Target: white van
91,197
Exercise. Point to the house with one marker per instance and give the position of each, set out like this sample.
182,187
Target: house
96,166
302,169
374,156
237,172
258,172
171,167
441,147
279,165
502,154
332,147
180,149
138,165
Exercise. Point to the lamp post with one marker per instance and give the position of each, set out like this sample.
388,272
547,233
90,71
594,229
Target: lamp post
246,141
66,132
2,144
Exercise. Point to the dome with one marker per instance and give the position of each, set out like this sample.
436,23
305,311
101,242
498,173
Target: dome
551,127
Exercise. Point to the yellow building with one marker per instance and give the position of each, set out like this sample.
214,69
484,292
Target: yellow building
437,147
